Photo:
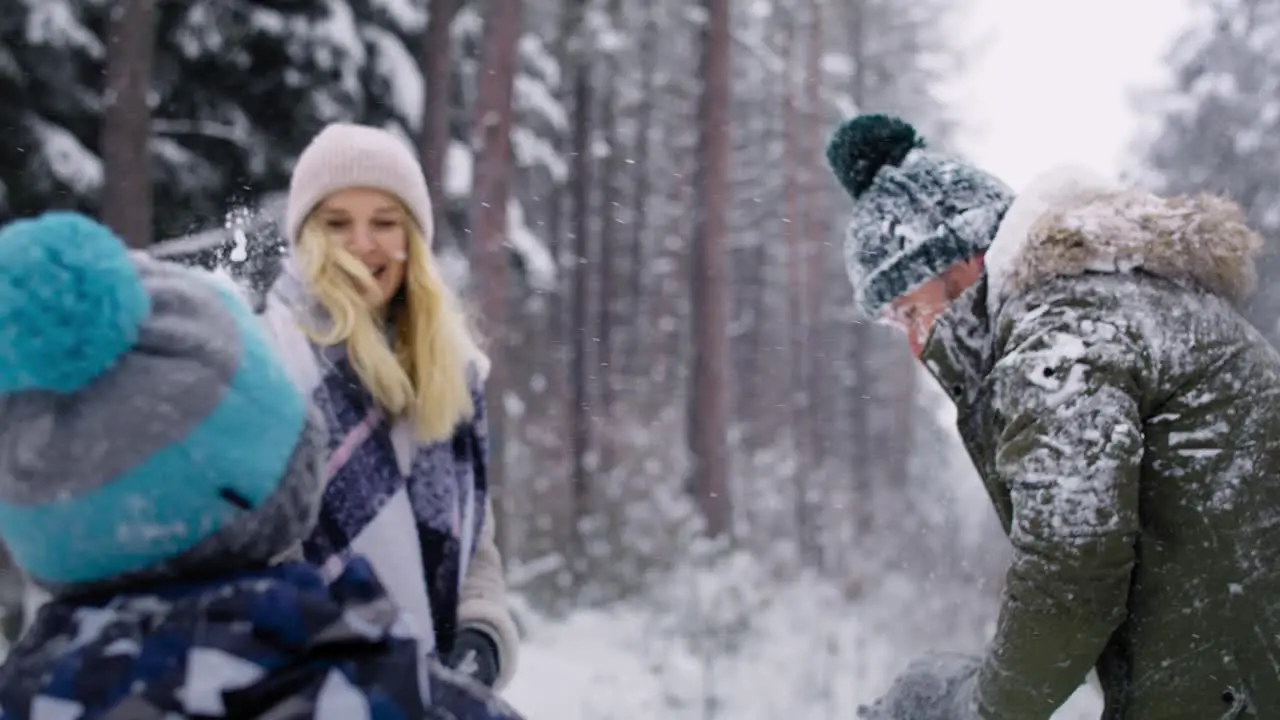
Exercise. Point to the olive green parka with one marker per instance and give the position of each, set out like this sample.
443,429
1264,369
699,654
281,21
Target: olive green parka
1125,420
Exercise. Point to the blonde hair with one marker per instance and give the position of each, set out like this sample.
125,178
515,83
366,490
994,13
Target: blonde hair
424,375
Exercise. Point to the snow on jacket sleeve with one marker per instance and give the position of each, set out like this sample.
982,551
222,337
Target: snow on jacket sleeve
1069,453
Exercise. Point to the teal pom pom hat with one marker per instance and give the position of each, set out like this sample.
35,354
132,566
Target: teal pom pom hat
147,429
916,212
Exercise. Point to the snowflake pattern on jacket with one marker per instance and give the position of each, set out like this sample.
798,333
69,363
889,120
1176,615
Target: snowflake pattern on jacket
279,643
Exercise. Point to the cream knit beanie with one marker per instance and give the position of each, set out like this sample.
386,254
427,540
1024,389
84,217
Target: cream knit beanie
345,156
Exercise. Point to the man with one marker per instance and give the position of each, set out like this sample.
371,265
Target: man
1124,417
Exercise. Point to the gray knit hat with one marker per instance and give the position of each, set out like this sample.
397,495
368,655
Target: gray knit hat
344,155
147,428
915,212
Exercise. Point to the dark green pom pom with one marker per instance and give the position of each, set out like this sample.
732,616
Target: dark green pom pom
863,145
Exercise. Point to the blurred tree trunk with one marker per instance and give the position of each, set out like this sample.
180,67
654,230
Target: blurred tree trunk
709,408
566,53
812,230
635,367
436,59
861,334
608,275
579,299
753,274
675,152
491,139
126,122
808,532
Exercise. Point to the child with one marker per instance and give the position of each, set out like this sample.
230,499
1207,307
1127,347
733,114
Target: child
158,470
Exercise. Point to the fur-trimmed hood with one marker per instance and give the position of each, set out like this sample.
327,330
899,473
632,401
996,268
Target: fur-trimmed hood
1069,221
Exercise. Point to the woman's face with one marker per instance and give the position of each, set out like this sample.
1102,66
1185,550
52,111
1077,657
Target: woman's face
371,225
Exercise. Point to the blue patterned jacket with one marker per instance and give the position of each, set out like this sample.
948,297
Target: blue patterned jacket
279,643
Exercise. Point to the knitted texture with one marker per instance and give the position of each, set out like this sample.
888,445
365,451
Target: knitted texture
916,212
344,156
70,323
147,429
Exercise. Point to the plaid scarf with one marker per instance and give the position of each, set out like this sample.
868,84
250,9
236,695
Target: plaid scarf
446,483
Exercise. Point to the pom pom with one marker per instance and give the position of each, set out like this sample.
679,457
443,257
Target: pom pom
863,145
71,303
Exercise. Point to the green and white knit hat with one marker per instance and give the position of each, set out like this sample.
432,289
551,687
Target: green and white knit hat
915,212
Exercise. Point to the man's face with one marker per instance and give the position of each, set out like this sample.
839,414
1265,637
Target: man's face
915,312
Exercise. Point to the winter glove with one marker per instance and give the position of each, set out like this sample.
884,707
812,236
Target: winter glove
941,686
475,654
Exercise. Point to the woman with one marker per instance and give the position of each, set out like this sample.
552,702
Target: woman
369,328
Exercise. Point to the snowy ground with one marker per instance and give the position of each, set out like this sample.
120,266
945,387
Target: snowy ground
805,655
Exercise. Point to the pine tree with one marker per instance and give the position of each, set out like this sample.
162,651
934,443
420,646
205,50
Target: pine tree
242,87
50,71
1219,125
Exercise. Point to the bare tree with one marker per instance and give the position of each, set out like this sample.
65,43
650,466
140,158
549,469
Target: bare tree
126,122
579,279
642,181
491,138
709,408
807,515
811,226
436,57
610,234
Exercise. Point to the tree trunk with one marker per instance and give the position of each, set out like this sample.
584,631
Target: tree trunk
813,243
579,300
436,59
607,277
635,367
491,137
753,278
126,122
756,353
862,338
557,313
808,530
709,407
667,353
